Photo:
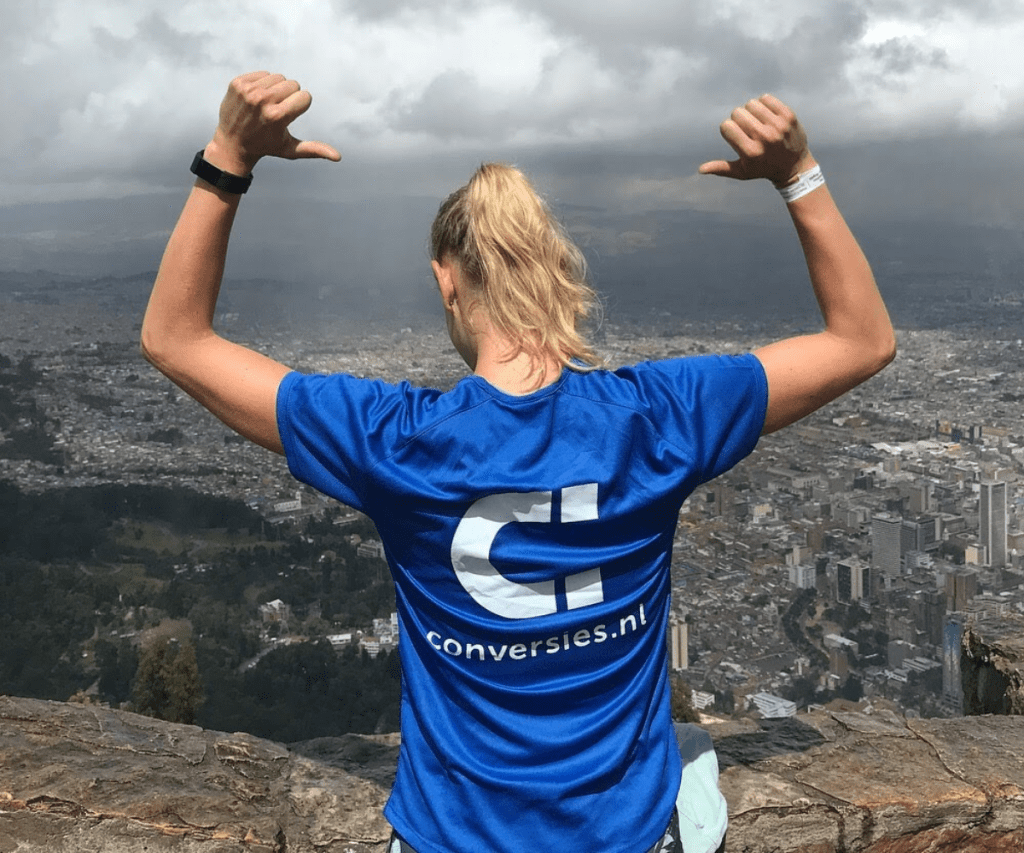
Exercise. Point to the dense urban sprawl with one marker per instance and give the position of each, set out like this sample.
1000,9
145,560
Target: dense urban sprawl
840,560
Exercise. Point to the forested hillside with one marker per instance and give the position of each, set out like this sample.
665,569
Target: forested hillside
148,598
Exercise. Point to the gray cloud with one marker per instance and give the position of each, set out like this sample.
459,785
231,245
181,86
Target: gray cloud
25,20
381,10
917,10
453,106
655,70
611,105
153,36
897,56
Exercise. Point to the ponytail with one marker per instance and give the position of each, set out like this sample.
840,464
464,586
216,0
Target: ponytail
528,274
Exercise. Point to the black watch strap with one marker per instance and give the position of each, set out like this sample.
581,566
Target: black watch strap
218,177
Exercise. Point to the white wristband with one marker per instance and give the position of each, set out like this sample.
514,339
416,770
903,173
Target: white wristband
807,182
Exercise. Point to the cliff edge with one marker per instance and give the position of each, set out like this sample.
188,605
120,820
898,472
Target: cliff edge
76,778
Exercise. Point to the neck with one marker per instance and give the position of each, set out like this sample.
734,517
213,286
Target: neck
517,375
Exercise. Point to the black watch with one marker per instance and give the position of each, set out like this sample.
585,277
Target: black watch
218,177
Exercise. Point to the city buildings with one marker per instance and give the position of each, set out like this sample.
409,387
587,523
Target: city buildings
678,644
992,521
853,579
886,543
872,519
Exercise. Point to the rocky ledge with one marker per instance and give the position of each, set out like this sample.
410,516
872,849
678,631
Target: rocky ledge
77,778
992,667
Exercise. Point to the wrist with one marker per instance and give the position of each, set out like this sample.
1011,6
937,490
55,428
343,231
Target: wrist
228,157
804,164
220,170
805,183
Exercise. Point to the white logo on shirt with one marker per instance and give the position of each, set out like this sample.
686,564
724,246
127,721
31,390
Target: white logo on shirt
471,550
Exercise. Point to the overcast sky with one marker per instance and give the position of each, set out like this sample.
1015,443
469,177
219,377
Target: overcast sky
915,107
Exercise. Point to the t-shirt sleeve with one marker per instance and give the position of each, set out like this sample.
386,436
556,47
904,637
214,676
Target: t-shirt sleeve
712,405
335,429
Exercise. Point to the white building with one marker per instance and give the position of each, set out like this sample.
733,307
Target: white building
773,707
701,700
802,577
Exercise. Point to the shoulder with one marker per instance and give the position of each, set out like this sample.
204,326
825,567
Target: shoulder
648,382
336,428
387,410
314,388
710,407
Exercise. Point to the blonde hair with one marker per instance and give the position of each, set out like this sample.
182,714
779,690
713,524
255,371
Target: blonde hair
528,274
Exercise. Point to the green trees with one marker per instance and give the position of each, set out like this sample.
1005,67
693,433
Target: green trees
83,584
793,625
308,690
167,684
45,611
117,664
682,702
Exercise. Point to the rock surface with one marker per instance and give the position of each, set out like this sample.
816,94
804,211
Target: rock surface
76,778
992,667
826,783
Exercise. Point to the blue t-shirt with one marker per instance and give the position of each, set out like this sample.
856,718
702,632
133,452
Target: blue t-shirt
530,541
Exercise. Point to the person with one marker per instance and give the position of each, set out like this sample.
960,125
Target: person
528,513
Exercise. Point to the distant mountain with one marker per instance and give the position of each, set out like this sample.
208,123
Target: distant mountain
301,260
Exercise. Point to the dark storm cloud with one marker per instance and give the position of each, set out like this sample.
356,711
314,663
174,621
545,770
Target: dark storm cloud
645,73
732,50
809,58
611,105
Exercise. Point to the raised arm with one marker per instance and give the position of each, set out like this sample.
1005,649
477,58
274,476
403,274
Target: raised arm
806,372
237,384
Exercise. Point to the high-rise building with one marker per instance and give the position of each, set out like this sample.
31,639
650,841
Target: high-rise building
961,587
802,577
992,521
886,544
853,580
678,643
921,533
952,684
921,496
927,609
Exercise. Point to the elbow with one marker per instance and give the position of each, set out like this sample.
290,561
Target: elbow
150,347
889,353
887,348
166,351
145,348
881,353
869,355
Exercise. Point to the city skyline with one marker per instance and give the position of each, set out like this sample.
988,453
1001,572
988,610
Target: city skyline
611,109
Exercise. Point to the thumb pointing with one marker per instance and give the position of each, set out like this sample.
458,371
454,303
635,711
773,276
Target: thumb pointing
308,149
719,167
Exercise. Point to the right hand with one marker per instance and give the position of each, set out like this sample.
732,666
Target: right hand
770,141
254,119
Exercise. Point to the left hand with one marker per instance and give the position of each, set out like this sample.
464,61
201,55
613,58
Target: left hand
769,139
254,119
